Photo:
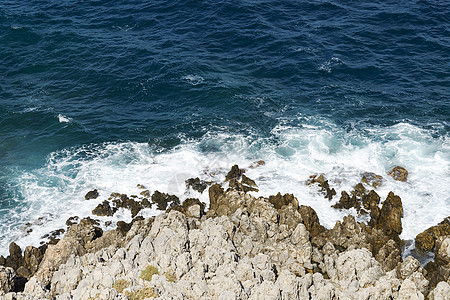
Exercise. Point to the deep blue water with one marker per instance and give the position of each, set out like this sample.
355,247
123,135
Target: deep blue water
87,74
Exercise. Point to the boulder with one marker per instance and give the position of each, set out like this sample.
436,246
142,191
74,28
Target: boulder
91,195
399,173
104,209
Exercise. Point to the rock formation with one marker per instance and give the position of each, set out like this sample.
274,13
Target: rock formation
243,247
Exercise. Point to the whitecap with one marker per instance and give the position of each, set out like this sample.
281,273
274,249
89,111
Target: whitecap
193,79
64,119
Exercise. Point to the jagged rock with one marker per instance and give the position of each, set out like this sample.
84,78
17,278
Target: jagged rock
439,269
104,209
53,236
359,190
246,185
311,220
346,202
389,255
73,242
323,184
163,199
371,200
33,256
122,201
14,259
7,277
391,214
244,248
399,173
217,198
426,239
196,184
91,195
145,203
372,179
279,200
191,207
72,220
235,173
248,181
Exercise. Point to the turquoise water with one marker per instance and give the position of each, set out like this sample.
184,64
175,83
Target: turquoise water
108,94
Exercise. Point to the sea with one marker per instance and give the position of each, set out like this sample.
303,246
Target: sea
107,95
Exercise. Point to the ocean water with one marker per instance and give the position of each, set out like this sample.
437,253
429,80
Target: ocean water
111,94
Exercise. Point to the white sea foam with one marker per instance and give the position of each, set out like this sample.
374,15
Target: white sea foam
55,192
63,119
193,79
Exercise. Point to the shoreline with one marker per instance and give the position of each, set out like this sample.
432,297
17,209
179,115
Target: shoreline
251,227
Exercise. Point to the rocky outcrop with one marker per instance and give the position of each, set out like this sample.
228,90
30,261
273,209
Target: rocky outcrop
426,240
399,173
242,248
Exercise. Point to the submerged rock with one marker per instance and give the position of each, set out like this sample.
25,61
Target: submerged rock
257,164
372,179
323,184
196,184
399,173
91,195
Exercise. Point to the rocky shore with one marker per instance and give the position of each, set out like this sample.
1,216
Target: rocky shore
241,248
